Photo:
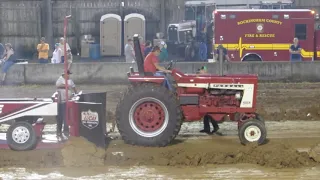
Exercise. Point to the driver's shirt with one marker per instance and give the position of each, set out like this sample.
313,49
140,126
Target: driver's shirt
62,91
149,63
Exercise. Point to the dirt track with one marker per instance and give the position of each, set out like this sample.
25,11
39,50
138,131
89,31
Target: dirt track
276,102
278,153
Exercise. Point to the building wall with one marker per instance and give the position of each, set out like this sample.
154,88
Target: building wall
23,22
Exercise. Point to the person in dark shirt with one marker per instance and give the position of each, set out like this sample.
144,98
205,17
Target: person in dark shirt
148,48
207,118
295,51
225,53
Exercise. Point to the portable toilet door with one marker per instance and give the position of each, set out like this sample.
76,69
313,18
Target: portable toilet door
110,35
134,24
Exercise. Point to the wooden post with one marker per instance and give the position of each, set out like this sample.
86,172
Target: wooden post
163,17
48,24
76,27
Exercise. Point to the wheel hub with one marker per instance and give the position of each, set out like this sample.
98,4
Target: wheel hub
252,133
149,116
20,135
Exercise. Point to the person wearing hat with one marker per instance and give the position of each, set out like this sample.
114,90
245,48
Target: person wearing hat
163,56
57,53
60,85
151,65
43,50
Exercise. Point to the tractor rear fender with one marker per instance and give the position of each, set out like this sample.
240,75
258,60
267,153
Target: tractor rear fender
155,79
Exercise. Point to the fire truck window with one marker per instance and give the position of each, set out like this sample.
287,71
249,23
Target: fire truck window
232,16
275,16
301,31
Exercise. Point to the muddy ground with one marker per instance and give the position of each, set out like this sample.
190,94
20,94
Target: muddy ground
77,152
276,101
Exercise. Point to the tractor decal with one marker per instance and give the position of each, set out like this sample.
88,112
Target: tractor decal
90,119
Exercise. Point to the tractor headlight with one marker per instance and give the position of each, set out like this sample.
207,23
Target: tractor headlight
238,95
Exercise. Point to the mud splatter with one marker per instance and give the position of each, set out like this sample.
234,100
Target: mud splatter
277,155
78,152
31,159
315,153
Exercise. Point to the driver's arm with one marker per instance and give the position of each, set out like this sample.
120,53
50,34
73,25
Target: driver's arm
160,68
71,83
155,62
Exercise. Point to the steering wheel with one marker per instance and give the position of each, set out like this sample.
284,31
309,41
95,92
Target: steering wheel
170,65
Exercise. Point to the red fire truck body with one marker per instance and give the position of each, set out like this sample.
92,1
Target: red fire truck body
266,35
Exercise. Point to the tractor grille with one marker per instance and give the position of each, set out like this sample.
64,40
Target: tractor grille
173,33
182,36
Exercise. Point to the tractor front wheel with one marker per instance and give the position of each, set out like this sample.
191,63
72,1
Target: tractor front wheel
252,131
148,115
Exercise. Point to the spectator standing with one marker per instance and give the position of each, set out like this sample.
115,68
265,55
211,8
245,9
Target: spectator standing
295,51
147,48
142,46
129,51
62,40
8,61
43,50
224,55
57,53
163,56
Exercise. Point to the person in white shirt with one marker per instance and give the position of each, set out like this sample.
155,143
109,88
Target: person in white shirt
56,56
62,49
60,85
68,56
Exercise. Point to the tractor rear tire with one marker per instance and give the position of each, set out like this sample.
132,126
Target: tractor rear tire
148,115
21,136
252,131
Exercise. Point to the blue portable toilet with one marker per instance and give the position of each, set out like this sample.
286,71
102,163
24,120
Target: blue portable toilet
94,51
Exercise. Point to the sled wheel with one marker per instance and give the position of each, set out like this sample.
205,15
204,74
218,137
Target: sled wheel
21,136
148,115
252,131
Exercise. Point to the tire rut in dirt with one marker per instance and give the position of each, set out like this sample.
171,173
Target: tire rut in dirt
158,94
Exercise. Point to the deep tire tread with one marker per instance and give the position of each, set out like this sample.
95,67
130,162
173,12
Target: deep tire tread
168,97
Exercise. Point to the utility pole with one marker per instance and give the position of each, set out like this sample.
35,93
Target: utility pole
163,17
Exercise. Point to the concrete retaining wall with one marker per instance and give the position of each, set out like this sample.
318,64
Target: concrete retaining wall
102,73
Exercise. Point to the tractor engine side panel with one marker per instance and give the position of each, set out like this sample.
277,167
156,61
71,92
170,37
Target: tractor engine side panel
214,101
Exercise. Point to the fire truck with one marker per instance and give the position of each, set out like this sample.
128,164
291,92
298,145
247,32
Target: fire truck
266,34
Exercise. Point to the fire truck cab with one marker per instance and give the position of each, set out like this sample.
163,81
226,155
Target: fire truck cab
266,34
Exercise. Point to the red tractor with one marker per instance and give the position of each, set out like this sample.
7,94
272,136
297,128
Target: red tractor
151,114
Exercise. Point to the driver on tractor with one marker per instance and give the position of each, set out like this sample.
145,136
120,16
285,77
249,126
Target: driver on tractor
151,65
